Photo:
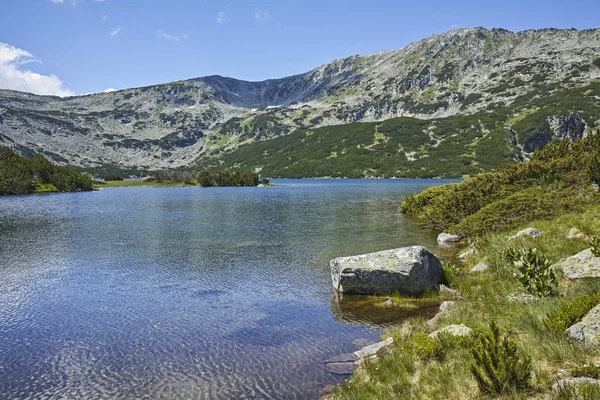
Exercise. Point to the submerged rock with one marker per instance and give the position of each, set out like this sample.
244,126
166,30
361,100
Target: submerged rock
454,330
446,238
345,368
587,330
532,232
407,270
581,265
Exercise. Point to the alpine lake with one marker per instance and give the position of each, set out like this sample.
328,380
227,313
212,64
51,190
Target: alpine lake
190,292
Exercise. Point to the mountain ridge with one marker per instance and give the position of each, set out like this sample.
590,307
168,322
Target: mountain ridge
457,73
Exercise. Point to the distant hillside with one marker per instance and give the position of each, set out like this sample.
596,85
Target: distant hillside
519,91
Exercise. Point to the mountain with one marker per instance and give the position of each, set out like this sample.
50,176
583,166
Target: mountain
475,97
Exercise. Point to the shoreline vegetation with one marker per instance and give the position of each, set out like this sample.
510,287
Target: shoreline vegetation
20,175
188,178
519,306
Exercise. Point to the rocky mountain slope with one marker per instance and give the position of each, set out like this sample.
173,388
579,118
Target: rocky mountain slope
526,89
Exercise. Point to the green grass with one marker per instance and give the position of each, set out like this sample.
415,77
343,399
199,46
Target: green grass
404,374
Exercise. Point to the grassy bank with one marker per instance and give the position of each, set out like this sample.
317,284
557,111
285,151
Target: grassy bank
553,193
424,369
558,179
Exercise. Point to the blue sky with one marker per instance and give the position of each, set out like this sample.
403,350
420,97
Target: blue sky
83,46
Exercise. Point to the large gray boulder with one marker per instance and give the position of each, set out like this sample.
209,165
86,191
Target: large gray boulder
581,265
407,270
587,331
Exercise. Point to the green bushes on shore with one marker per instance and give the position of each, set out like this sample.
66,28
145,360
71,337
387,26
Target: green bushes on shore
208,179
558,179
20,175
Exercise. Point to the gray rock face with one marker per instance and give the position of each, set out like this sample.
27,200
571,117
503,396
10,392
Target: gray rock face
170,125
587,330
532,232
408,270
569,126
482,266
447,238
581,265
454,330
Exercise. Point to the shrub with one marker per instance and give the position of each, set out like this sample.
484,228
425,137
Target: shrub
535,273
570,312
426,348
587,371
498,363
594,242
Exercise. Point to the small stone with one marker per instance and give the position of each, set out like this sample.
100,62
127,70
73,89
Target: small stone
342,358
445,290
388,303
374,348
470,252
327,390
447,305
531,232
575,233
345,368
446,238
567,383
454,330
482,266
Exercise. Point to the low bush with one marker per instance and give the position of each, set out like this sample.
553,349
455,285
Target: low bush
570,312
499,366
594,242
426,348
557,179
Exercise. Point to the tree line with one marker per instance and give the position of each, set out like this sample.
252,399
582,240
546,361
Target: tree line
20,175
207,178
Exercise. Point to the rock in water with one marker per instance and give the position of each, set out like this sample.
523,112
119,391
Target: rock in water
532,232
581,265
446,238
587,331
407,270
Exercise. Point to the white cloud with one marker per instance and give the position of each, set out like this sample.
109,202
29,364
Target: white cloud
261,15
103,19
13,77
115,31
175,38
222,17
110,90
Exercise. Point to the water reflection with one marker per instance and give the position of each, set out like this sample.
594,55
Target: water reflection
356,309
213,293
